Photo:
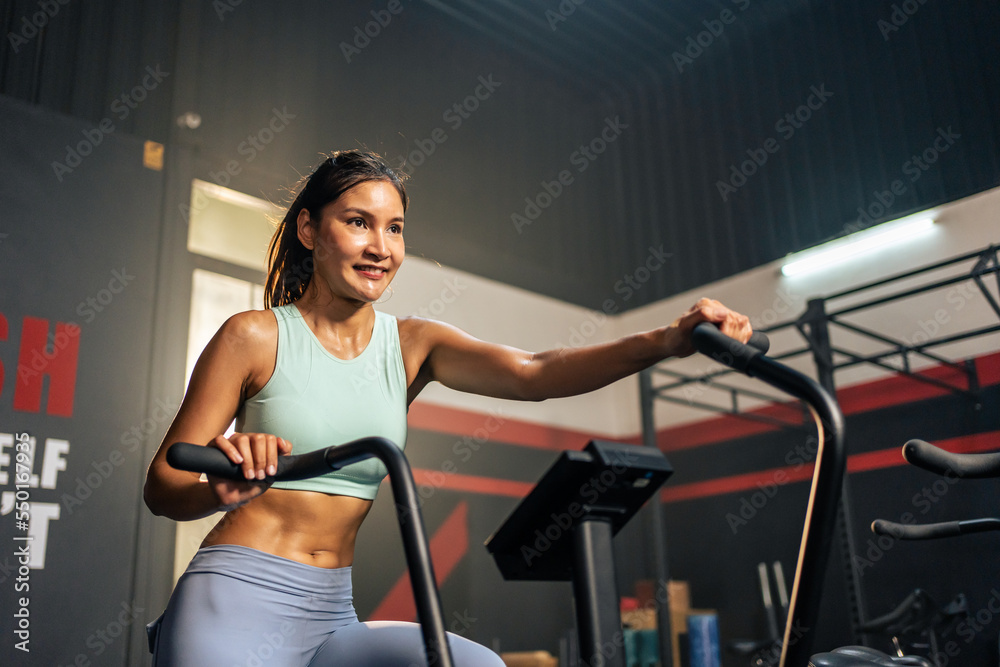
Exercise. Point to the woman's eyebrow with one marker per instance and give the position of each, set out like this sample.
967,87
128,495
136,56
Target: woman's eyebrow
355,209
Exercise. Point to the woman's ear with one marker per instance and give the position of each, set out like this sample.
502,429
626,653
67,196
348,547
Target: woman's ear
306,230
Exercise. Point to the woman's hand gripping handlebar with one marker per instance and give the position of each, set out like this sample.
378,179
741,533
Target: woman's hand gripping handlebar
212,461
711,342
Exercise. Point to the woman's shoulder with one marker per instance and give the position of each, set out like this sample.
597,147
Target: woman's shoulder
249,329
412,325
425,334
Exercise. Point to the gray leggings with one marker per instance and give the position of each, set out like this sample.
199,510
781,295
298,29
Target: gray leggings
240,607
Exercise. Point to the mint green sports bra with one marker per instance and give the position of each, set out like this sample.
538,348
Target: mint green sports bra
314,400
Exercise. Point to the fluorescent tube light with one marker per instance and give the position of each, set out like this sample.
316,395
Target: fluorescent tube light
851,247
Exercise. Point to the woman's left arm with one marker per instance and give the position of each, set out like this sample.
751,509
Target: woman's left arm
462,362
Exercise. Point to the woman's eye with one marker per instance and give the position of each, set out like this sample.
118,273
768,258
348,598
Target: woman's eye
358,222
396,229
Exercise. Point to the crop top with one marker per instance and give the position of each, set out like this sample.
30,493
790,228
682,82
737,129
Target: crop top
314,400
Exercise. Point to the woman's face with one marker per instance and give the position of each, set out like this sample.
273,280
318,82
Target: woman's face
357,243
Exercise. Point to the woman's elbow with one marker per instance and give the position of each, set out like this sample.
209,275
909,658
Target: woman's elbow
156,492
150,497
531,383
531,390
532,395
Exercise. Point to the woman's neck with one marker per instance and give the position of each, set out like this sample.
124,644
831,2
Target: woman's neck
344,327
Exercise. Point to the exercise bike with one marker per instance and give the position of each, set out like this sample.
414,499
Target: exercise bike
585,549
964,466
961,466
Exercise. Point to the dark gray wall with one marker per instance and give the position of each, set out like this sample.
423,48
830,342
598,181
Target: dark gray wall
77,251
689,122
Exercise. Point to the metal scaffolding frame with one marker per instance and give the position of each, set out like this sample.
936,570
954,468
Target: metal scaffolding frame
814,326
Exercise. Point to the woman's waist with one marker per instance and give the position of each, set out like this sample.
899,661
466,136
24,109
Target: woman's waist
271,571
314,529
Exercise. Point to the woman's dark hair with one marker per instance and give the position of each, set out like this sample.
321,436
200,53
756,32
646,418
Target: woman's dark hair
289,263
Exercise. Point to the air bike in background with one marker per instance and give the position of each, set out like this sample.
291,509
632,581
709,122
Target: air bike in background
917,623
589,496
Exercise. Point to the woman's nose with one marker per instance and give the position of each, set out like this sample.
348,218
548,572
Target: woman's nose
377,245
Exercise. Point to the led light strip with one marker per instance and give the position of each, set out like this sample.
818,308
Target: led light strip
853,246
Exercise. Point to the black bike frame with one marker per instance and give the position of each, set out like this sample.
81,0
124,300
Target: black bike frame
824,495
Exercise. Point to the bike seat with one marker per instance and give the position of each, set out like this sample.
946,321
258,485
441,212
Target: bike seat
862,656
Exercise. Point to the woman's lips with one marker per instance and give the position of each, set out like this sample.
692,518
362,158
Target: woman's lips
371,272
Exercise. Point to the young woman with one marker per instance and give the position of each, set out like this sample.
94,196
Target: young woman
272,582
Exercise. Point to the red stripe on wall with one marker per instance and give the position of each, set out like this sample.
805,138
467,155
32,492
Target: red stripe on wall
750,480
900,389
721,429
884,458
441,419
448,546
451,481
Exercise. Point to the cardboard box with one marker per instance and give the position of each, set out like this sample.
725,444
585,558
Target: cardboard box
529,659
639,619
680,604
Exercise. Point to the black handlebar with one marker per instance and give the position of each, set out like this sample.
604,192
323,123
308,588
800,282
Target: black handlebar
711,342
824,495
971,466
198,458
932,531
927,456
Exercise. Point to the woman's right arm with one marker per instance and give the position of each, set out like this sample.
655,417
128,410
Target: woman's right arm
237,361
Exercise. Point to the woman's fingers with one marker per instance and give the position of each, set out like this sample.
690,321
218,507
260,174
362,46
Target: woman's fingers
731,323
247,450
238,454
242,443
256,453
259,446
274,450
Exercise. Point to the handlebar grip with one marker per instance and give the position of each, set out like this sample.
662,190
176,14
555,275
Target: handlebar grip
928,531
934,530
760,341
973,466
199,458
711,342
